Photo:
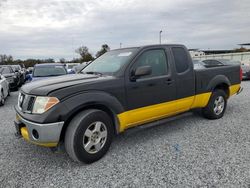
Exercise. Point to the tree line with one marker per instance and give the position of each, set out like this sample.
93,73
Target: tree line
83,51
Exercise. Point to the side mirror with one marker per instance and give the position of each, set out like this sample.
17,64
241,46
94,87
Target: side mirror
141,71
16,71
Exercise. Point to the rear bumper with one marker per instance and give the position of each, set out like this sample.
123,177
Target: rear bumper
41,134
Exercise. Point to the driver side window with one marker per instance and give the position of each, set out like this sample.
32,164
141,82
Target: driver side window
156,59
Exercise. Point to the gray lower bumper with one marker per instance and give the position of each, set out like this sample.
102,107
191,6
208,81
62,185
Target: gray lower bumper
47,133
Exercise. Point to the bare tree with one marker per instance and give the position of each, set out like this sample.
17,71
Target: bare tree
83,51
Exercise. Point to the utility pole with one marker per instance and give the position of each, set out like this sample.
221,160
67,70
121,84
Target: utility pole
160,36
120,45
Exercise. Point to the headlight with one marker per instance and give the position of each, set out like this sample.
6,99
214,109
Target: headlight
42,104
14,77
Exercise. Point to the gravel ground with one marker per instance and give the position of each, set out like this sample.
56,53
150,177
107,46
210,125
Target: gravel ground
188,152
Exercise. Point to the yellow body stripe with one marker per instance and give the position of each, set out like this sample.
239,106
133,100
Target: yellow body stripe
154,112
151,113
234,89
25,135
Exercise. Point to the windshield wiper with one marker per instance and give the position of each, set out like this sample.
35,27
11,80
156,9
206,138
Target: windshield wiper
92,72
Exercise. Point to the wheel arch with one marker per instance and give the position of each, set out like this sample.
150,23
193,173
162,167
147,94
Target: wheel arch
219,82
109,104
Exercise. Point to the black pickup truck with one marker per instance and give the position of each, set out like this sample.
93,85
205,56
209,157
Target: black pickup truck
121,89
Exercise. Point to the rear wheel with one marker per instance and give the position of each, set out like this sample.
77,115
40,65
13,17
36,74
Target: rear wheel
89,136
216,106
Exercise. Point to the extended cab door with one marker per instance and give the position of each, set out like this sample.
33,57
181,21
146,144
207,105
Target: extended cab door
185,78
148,96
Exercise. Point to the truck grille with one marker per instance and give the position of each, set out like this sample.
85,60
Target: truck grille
25,102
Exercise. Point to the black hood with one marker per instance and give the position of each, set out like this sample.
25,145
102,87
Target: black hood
46,86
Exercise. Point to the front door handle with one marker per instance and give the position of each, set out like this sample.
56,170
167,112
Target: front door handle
169,81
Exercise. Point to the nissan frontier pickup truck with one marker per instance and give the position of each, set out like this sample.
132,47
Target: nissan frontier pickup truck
121,89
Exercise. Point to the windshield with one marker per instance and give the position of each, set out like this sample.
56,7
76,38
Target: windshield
110,62
44,71
4,70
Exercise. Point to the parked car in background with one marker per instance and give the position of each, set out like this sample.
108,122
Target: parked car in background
245,65
4,89
69,67
219,62
30,69
79,67
47,70
198,64
20,73
11,76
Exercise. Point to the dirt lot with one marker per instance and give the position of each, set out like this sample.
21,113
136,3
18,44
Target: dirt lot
189,152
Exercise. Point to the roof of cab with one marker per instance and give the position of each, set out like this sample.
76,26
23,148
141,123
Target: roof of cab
151,46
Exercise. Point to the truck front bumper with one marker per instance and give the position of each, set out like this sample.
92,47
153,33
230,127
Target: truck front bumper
41,134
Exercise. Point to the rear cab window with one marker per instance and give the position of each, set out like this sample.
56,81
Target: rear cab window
181,59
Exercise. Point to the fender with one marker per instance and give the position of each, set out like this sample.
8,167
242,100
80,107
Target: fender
78,102
218,80
92,98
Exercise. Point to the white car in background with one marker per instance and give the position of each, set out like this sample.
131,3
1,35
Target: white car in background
69,67
245,65
4,89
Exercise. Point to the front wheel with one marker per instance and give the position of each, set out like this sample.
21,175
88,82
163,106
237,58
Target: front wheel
216,106
89,136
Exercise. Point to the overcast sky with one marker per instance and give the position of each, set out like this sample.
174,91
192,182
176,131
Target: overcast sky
55,28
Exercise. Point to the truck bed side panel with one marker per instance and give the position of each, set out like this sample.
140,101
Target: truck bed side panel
208,78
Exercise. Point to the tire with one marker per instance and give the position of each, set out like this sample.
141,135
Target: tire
2,100
83,142
216,106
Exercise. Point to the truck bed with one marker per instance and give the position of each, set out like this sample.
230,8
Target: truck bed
204,77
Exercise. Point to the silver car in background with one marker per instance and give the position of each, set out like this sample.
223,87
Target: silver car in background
4,89
245,66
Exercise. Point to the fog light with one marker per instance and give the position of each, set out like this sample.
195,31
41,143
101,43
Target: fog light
35,134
